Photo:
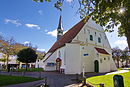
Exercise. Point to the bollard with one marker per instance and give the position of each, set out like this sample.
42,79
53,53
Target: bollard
84,82
23,74
10,73
39,74
101,85
45,85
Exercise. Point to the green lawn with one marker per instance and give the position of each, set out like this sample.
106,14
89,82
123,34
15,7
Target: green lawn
108,80
8,80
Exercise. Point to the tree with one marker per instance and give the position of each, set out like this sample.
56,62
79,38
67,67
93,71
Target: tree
40,55
7,48
107,13
3,59
27,55
116,54
125,56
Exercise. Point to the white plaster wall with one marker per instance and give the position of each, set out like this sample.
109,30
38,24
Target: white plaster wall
104,66
40,63
73,61
90,28
87,61
62,56
113,65
84,37
52,58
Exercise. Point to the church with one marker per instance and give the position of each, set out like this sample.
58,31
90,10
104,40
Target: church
84,47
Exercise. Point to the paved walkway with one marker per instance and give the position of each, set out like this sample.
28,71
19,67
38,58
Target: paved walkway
54,79
117,72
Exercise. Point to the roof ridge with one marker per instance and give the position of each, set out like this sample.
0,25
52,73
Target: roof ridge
69,35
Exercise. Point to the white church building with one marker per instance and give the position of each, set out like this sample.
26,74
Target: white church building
83,47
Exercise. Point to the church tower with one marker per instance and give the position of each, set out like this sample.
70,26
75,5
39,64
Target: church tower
59,29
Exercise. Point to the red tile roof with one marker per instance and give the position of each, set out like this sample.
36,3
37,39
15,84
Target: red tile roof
69,35
103,51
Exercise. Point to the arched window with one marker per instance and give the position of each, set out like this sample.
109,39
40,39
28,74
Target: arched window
99,40
91,37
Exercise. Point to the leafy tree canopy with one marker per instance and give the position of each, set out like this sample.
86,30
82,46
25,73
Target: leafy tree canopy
27,55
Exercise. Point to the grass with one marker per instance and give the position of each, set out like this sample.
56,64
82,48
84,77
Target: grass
8,80
108,80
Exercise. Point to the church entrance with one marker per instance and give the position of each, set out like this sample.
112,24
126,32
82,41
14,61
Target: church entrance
96,66
58,64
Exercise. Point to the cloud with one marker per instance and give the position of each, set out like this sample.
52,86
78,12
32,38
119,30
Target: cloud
41,50
121,42
46,30
13,22
69,1
40,12
54,33
33,26
26,42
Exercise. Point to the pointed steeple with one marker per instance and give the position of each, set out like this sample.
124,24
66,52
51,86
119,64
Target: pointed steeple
60,23
59,29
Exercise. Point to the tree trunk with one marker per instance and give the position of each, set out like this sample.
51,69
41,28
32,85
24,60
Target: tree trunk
26,66
128,36
7,61
126,63
19,65
117,63
122,64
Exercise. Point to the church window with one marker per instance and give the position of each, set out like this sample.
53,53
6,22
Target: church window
60,32
99,40
51,64
101,60
95,33
97,54
104,58
91,37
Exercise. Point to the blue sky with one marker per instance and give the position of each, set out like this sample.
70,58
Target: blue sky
28,21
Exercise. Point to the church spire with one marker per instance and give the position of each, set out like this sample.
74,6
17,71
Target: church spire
59,29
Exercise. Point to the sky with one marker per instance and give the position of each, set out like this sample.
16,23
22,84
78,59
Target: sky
36,23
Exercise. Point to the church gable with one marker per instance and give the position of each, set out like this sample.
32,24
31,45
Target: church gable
68,36
93,35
